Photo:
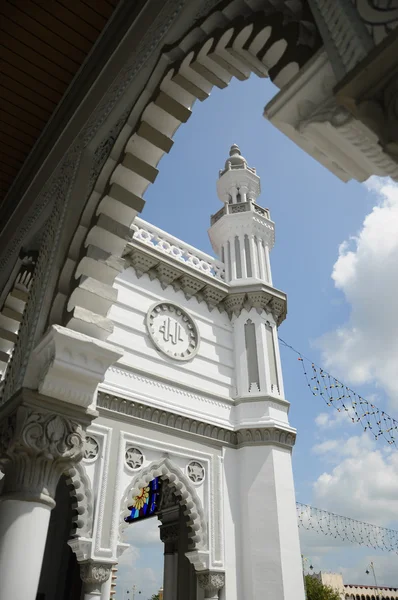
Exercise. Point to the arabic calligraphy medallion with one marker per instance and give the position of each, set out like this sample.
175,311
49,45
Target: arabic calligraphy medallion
172,330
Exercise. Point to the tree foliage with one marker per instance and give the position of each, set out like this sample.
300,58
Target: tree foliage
317,591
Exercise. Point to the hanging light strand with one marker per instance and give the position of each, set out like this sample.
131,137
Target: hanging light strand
337,395
346,529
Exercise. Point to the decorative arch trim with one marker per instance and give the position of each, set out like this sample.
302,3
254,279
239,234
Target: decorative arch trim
81,491
184,492
229,42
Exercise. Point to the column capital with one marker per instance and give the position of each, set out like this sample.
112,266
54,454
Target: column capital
36,447
94,574
211,582
169,532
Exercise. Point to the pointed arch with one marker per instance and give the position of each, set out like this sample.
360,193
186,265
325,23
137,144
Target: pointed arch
185,493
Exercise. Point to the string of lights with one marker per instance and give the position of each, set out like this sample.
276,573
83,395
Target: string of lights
346,529
342,398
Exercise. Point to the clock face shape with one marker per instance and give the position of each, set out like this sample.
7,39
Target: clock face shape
172,331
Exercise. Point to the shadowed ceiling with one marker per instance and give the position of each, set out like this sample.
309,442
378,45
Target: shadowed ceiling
43,44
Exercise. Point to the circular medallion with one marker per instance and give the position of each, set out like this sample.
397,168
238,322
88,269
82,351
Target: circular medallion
134,458
91,449
172,330
196,471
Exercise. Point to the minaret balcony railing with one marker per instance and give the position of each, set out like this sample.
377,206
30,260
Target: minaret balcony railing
232,209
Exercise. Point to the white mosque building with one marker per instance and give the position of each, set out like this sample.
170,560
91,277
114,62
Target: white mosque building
191,425
139,376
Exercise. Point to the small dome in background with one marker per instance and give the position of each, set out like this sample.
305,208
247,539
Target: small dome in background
235,160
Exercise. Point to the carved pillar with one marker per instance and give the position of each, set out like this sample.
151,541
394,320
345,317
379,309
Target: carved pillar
169,534
94,575
211,582
36,447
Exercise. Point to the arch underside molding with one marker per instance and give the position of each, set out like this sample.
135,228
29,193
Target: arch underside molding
186,496
232,42
81,492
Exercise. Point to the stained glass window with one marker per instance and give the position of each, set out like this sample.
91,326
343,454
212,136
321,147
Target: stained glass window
146,504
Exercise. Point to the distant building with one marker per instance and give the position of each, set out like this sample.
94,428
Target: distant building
350,591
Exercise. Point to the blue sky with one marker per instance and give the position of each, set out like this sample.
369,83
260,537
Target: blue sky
319,223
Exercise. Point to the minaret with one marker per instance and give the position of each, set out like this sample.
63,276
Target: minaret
242,233
263,503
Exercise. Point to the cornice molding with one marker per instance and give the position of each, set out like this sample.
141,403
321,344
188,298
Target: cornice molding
155,380
194,284
256,436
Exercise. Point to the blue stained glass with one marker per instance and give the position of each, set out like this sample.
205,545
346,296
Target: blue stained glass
146,504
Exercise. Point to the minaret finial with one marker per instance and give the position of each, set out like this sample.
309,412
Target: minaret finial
234,150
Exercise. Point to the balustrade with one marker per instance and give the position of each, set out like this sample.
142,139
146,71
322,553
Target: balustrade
167,244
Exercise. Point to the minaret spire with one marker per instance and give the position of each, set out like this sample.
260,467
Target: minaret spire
242,232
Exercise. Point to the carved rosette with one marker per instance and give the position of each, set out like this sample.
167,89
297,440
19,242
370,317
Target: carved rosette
36,447
196,471
134,458
93,575
211,582
91,449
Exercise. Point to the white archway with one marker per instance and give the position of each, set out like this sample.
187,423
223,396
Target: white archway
183,490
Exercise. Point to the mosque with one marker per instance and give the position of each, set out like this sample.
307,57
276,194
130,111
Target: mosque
139,376
193,424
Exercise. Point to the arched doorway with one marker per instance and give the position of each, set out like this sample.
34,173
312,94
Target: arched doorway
159,499
60,572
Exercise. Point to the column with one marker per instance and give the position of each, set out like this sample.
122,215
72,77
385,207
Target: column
243,192
36,447
169,534
94,575
269,564
253,253
233,273
261,255
243,256
107,587
268,265
227,262
211,582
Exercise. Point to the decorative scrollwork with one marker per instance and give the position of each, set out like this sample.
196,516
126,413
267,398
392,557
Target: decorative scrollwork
94,575
211,582
36,448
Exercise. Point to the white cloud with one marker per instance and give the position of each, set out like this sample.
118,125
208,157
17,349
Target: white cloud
144,533
142,563
365,349
362,484
333,418
385,568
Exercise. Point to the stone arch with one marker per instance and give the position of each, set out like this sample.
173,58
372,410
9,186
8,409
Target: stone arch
233,41
80,490
183,490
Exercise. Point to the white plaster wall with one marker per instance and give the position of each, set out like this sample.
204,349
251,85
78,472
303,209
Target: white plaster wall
211,371
232,526
155,445
270,564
